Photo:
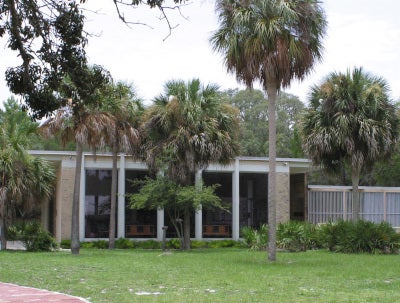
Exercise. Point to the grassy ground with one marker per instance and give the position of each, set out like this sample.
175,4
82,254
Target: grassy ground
212,275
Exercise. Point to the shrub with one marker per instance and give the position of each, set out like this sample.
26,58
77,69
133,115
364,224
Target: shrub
100,244
87,245
33,236
255,239
173,244
223,243
123,243
291,236
149,244
65,244
360,237
198,244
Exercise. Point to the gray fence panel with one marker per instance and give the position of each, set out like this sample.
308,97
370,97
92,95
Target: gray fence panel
332,203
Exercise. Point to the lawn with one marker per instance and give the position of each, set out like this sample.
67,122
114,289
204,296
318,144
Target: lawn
209,275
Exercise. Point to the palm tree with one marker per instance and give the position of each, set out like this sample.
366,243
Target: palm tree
350,121
24,180
125,107
271,41
187,128
86,127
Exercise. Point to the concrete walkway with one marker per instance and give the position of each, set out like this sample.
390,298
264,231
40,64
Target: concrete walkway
11,293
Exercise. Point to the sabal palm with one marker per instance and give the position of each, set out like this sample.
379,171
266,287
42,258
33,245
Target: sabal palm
86,127
122,103
186,129
273,42
350,121
25,180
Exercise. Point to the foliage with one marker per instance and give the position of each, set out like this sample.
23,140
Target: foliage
65,244
356,103
223,243
123,243
149,244
272,42
253,109
196,244
187,128
296,236
48,38
255,239
25,180
174,198
33,236
360,237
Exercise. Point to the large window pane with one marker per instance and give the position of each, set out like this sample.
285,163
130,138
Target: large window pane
97,203
138,223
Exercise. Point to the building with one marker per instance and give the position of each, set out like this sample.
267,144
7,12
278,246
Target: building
244,186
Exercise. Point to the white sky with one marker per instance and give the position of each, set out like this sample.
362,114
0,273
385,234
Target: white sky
360,33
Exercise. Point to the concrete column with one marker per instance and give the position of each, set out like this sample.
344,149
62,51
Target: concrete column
82,201
160,223
44,214
121,198
235,201
199,213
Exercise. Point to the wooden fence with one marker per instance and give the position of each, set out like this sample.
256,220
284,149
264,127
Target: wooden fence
377,204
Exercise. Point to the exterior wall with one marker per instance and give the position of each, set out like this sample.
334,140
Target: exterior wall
66,175
64,203
282,197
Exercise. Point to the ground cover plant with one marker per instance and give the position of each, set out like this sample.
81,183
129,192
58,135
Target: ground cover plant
207,275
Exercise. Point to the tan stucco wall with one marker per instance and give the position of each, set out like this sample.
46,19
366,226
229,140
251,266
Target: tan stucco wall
64,203
282,197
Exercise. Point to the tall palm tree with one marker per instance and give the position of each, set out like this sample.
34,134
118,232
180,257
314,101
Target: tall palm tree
86,127
125,107
81,121
273,42
187,128
24,180
350,121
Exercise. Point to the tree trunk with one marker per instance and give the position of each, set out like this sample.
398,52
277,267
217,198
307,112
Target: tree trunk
186,229
272,94
75,245
113,206
355,179
3,227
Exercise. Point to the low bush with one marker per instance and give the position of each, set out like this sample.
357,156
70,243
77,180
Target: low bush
173,244
360,237
195,244
123,243
32,236
65,244
255,239
149,244
223,243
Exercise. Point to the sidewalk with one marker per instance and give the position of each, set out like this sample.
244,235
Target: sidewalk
11,293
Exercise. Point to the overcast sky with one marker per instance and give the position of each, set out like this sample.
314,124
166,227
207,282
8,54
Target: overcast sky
360,33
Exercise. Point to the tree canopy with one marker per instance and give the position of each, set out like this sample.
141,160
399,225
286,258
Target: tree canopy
350,121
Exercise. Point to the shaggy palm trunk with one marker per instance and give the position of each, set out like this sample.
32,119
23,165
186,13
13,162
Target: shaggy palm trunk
186,229
113,206
355,179
75,245
272,94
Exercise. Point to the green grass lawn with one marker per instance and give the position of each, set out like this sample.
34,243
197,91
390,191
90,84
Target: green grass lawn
210,275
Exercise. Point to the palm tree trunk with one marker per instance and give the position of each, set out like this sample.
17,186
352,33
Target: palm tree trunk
75,245
3,227
111,234
355,179
272,94
186,229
